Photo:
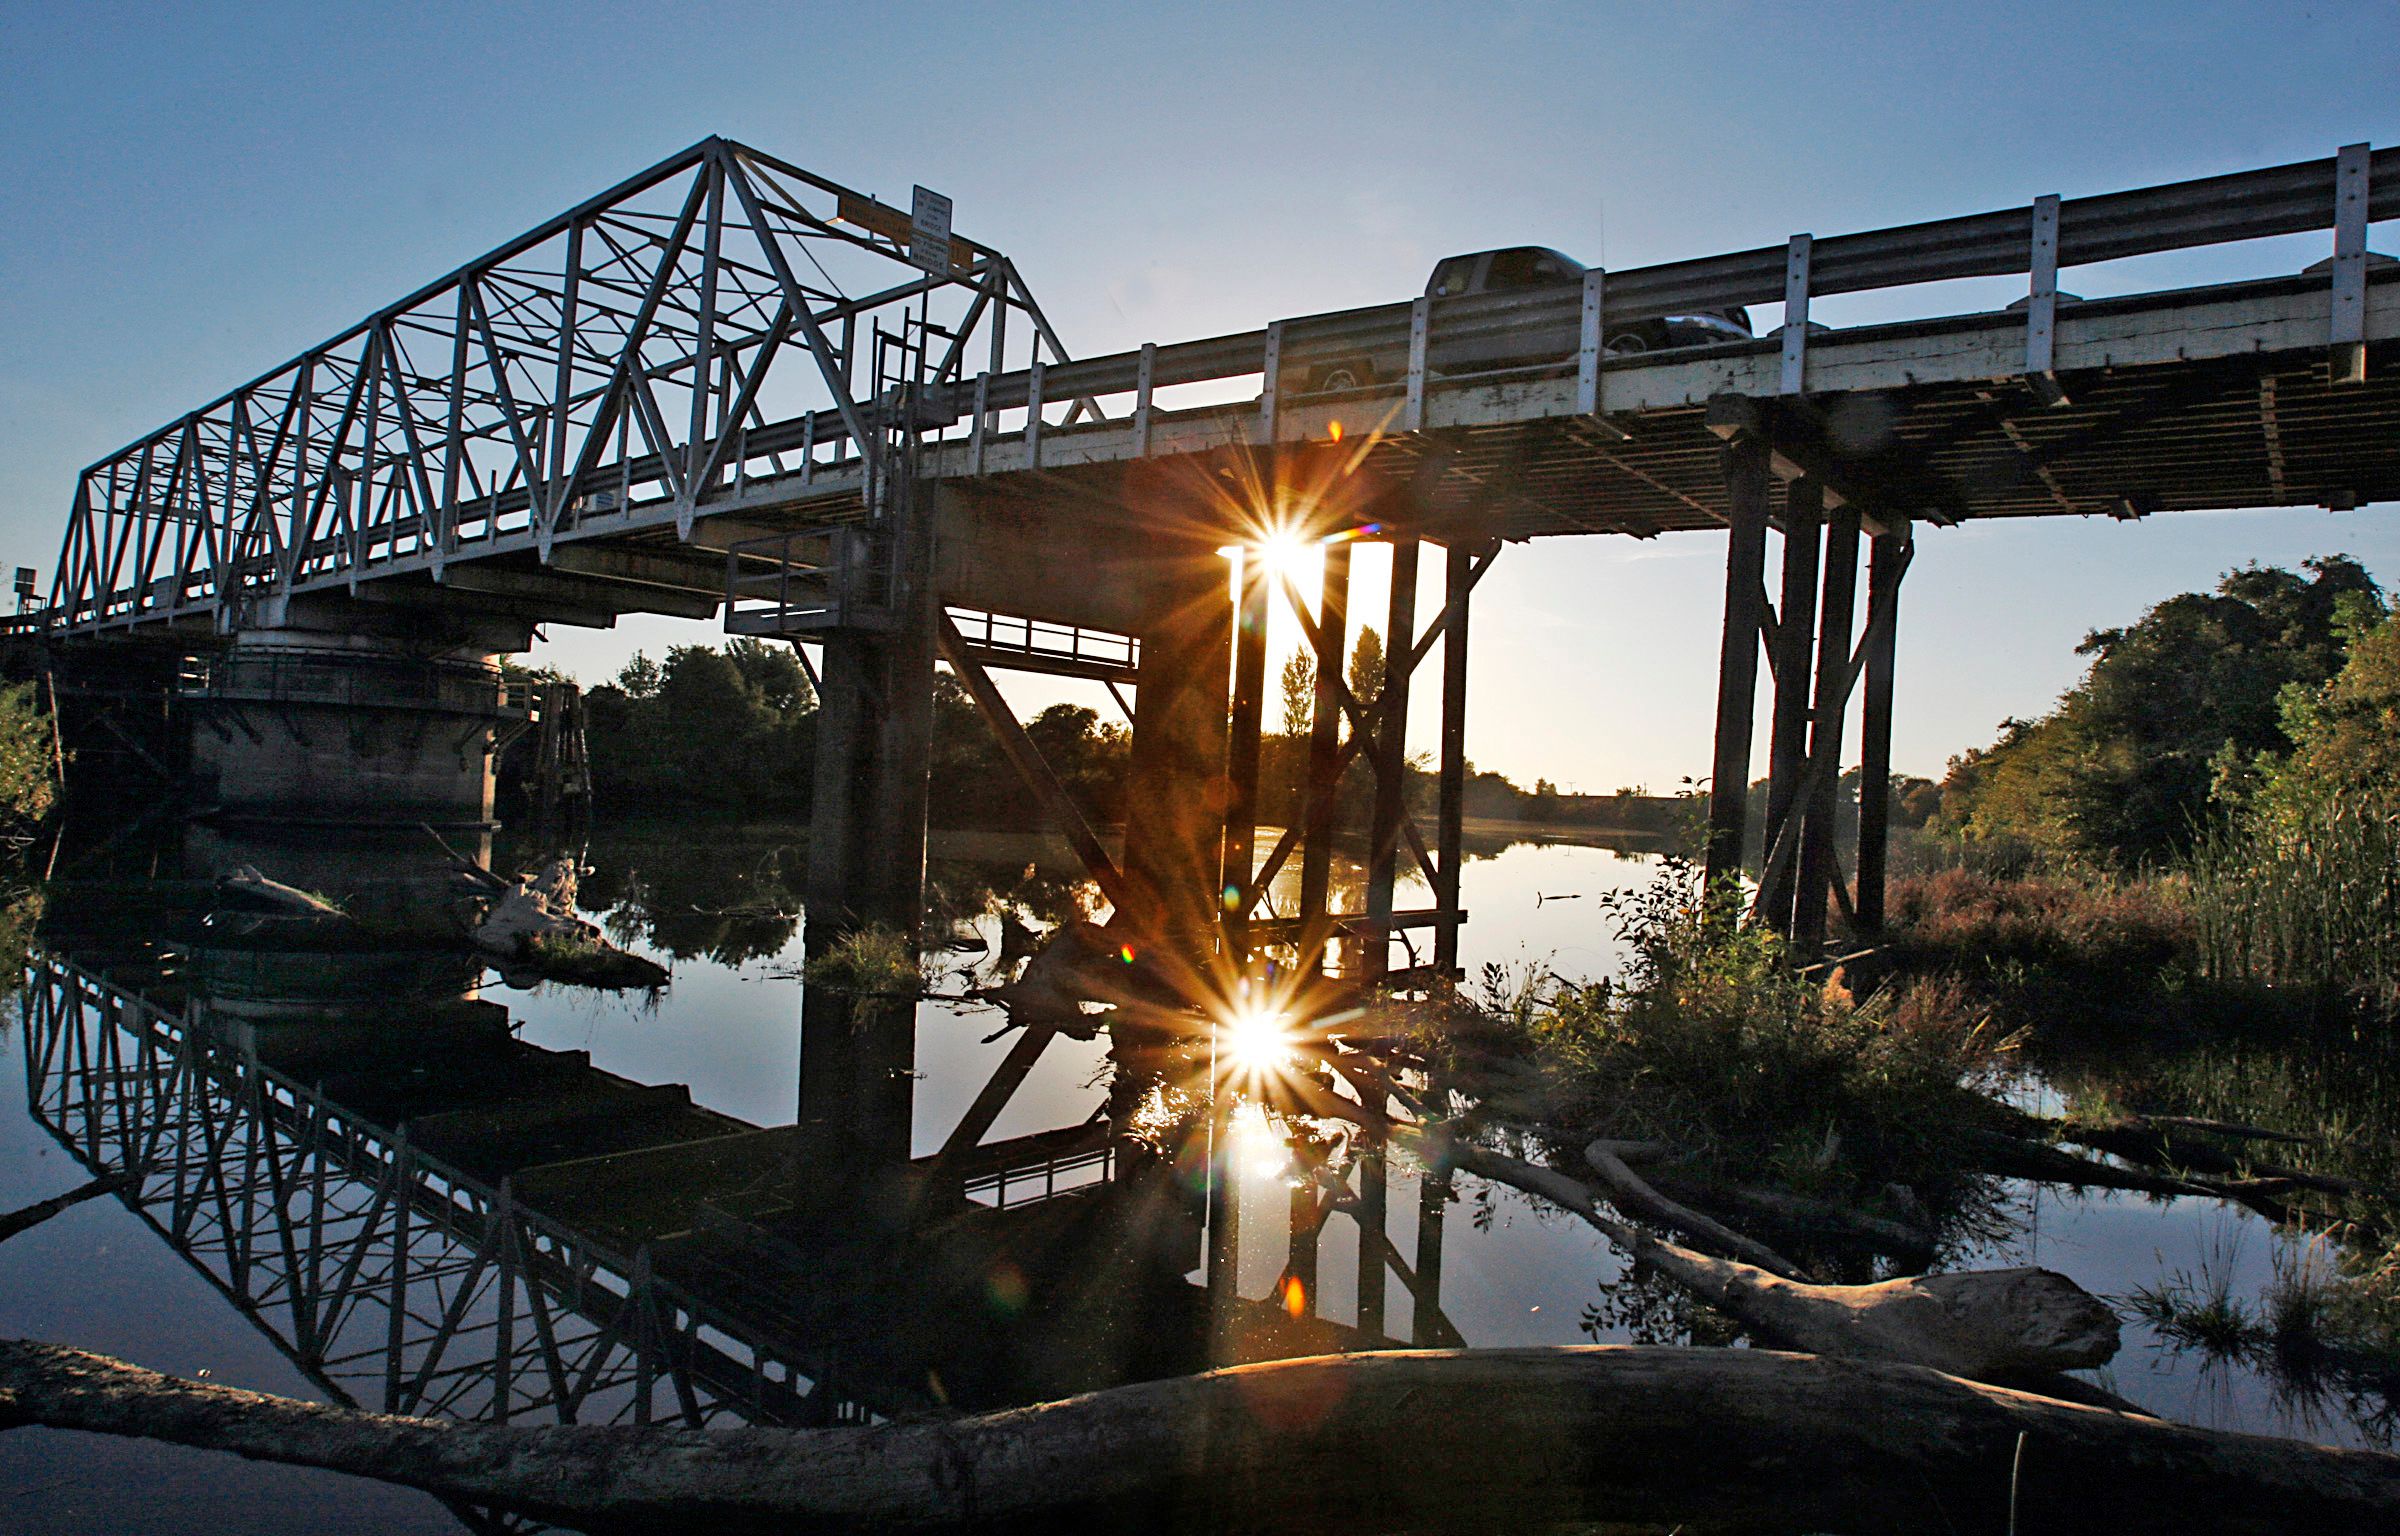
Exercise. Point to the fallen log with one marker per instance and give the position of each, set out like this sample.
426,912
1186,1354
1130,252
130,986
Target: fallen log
2146,1141
2014,1157
246,888
2006,1324
1484,1441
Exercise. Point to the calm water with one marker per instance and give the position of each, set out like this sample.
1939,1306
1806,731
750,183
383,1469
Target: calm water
169,1285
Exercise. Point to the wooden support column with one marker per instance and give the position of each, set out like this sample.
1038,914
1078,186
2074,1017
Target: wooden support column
1450,817
1887,559
1241,762
1794,638
1391,752
1374,1208
1324,745
1224,1215
1746,474
1819,864
1307,1222
1429,1329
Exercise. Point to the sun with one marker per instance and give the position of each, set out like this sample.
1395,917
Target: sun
1256,1041
1286,554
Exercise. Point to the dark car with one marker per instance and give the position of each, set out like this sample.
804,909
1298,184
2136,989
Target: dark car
1529,266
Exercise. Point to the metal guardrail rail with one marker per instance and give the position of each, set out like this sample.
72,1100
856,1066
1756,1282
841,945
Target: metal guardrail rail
232,501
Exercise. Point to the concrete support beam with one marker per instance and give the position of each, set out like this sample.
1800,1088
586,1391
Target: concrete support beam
294,726
578,592
866,860
1176,789
680,573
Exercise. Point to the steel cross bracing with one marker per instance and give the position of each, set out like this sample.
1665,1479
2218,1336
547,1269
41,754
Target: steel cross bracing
396,1282
627,369
657,348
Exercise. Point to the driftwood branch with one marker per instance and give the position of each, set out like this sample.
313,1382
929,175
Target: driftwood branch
1788,1212
1631,1193
1497,1441
40,1211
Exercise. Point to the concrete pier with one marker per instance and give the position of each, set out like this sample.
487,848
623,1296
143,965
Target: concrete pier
340,720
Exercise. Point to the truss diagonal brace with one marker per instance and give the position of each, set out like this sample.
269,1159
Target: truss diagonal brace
1032,768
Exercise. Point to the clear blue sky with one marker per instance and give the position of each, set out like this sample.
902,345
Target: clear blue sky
189,195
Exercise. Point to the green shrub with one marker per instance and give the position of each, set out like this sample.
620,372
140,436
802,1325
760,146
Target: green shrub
1714,1043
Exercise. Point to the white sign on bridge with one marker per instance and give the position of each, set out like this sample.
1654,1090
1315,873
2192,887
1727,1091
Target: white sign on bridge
929,232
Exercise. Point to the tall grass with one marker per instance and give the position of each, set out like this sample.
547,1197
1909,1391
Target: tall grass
2308,898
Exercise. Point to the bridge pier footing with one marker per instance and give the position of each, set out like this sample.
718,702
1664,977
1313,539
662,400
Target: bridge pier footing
349,725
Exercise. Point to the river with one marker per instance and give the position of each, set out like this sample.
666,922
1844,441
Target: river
167,1283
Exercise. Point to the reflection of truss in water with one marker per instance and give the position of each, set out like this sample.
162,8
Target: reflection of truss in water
391,1278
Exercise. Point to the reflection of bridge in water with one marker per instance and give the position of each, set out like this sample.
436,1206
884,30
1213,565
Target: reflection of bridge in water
431,1216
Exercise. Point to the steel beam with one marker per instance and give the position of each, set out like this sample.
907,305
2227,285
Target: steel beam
1033,771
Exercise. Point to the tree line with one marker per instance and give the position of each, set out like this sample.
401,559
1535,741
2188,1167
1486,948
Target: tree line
733,729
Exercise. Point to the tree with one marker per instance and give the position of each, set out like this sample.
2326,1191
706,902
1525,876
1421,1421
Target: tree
27,756
2346,735
641,677
1299,692
773,672
1366,666
2131,760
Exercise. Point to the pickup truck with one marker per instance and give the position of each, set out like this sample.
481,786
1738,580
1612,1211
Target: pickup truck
1525,266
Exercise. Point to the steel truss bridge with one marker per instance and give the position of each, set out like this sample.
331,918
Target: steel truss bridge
678,349
723,387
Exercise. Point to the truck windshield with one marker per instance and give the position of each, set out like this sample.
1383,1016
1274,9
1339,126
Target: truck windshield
1452,277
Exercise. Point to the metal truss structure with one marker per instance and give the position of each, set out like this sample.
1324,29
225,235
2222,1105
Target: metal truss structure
719,318
396,1282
